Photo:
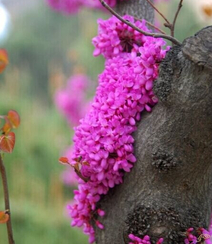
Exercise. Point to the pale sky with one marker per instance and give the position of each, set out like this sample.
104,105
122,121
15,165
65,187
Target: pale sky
4,21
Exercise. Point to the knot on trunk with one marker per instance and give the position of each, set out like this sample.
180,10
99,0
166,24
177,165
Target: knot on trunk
153,221
164,161
198,48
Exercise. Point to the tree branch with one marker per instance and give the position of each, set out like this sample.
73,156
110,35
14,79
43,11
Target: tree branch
151,25
6,201
169,25
156,35
161,14
175,17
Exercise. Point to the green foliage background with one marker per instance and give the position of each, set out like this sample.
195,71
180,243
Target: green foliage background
44,44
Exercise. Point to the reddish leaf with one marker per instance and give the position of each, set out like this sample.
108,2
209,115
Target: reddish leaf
7,142
13,118
6,128
4,217
63,160
3,59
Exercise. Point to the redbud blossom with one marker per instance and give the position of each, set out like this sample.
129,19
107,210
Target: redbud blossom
104,136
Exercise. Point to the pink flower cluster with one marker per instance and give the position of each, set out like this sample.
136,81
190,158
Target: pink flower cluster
69,176
204,236
115,37
190,237
145,240
69,7
71,101
73,6
103,142
65,6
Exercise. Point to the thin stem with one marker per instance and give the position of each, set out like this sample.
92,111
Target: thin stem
175,17
156,35
150,24
161,14
81,176
155,27
6,200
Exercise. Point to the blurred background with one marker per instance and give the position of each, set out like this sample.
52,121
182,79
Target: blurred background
45,48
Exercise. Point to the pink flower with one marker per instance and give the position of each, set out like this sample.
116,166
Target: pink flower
103,139
69,177
71,101
69,7
73,6
66,6
115,37
144,240
204,235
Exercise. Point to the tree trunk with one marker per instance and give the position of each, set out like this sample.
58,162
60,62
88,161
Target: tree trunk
170,187
138,8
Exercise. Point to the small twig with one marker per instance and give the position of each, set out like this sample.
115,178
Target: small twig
150,24
156,35
161,14
6,201
169,25
155,27
81,176
175,17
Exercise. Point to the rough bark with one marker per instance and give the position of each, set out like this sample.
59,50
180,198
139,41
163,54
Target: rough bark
142,10
170,187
